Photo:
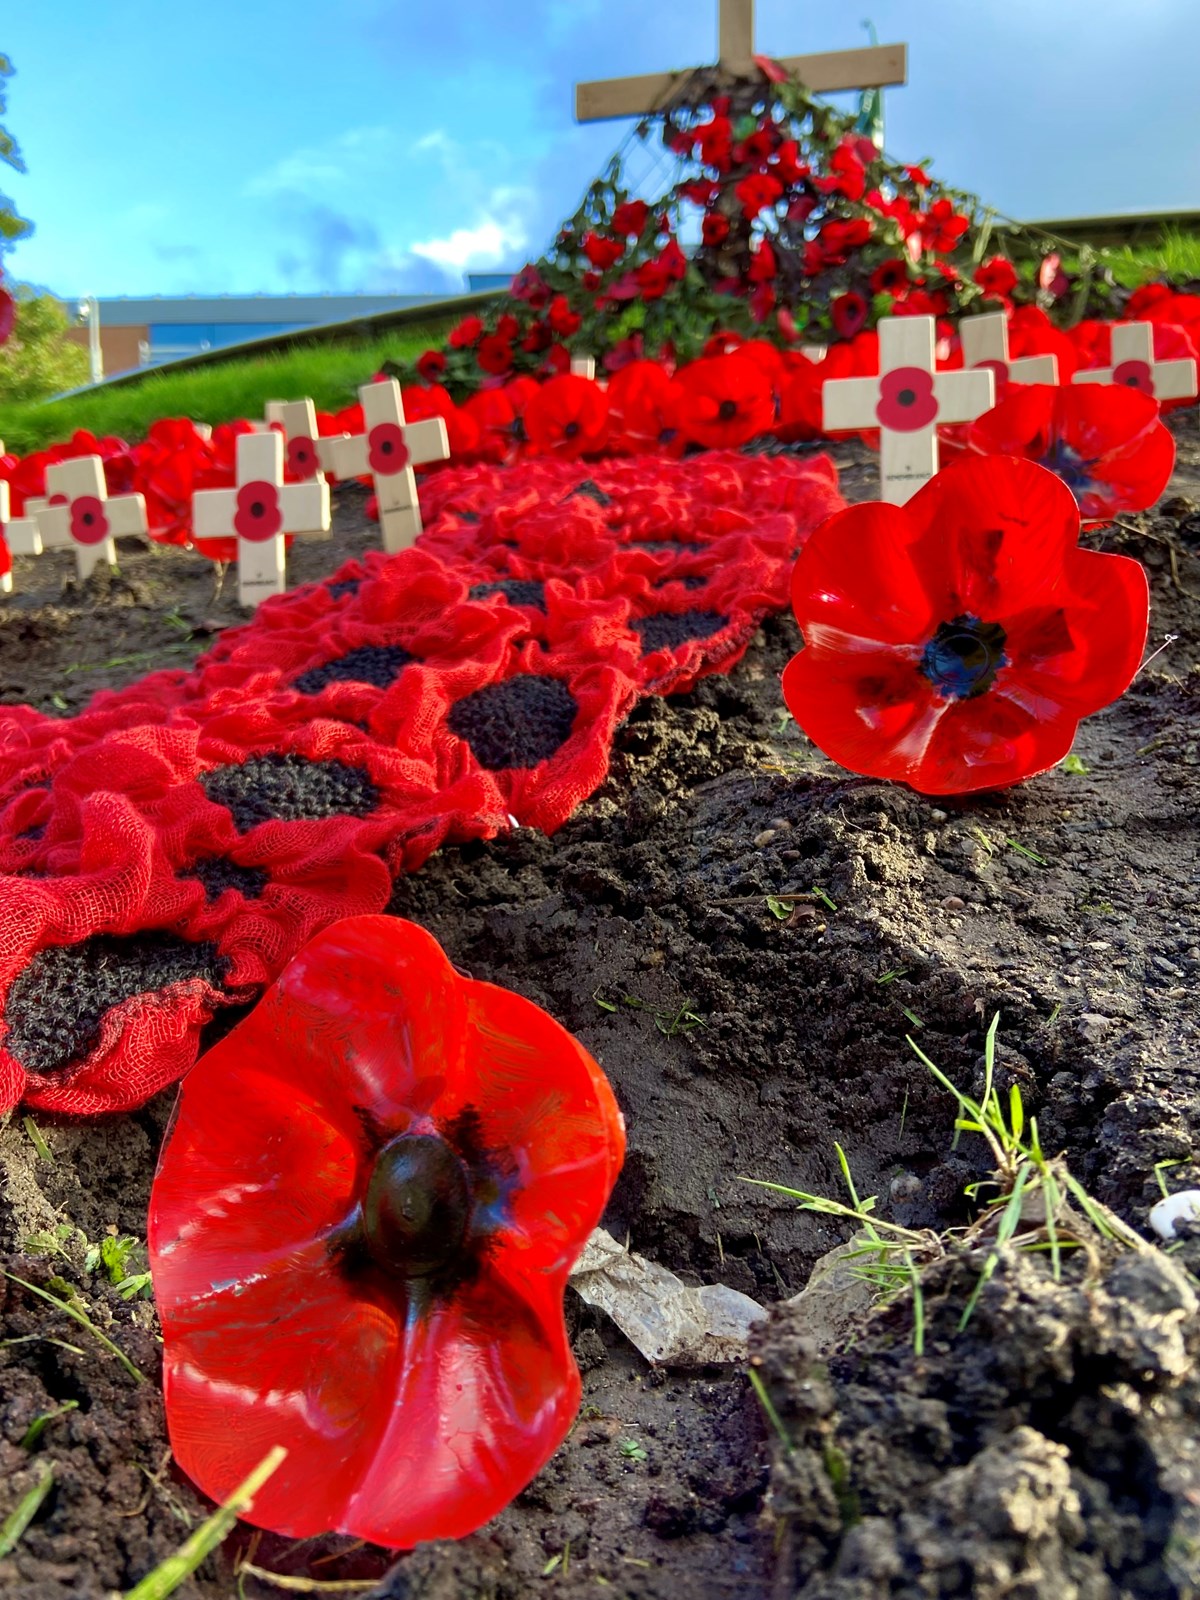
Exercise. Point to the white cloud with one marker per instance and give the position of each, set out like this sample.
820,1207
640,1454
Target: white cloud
488,244
340,161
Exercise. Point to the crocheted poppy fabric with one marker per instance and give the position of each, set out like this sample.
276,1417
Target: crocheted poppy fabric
168,850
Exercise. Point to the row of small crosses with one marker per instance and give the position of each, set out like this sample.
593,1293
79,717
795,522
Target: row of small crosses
260,510
905,401
908,399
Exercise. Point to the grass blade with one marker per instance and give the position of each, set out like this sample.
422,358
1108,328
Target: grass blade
19,1518
84,1321
167,1577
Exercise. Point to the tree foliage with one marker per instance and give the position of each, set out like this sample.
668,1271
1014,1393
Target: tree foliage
39,360
12,226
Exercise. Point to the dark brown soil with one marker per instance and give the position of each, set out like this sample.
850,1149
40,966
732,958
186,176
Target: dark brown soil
1048,1450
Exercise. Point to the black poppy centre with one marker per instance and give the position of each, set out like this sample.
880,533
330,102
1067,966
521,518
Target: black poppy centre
287,788
55,1005
963,657
667,630
417,1206
519,723
517,591
906,397
377,664
727,411
429,1205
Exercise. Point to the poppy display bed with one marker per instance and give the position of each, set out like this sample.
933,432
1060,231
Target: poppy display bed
742,935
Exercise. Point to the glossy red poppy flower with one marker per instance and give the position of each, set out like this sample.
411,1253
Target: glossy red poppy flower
955,643
567,417
942,227
756,193
726,401
367,1263
763,263
601,251
1107,444
838,238
561,318
431,365
466,333
714,142
714,230
890,276
8,315
849,313
643,403
997,277
494,355
301,457
630,218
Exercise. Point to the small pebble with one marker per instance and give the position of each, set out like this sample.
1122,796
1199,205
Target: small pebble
953,903
1181,1207
779,822
938,816
763,838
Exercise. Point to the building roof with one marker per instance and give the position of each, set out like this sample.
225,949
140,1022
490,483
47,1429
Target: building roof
118,311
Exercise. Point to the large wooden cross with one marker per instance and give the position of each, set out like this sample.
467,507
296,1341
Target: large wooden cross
871,67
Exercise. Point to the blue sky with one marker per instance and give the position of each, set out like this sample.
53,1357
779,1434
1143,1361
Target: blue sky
245,146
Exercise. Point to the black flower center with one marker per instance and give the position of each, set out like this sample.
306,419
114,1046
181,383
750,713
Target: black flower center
417,1206
377,664
257,508
56,1003
727,410
287,788
571,429
517,591
518,723
963,657
218,873
907,397
669,629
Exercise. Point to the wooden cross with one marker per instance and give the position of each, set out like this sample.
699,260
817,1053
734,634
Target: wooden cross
868,68
21,533
388,451
583,366
77,513
1133,365
906,402
302,445
985,344
259,511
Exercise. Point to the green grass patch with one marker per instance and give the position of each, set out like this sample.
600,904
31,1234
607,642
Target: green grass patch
328,374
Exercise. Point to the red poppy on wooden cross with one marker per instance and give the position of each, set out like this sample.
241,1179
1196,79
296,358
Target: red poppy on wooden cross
78,514
1133,364
301,443
868,68
906,402
985,344
259,511
389,450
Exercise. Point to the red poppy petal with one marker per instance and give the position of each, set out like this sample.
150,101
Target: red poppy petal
369,1014
545,1102
872,712
239,1191
1106,604
991,535
286,1355
474,1415
856,577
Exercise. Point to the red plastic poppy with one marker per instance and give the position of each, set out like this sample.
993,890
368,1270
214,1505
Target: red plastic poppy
367,1263
906,400
8,315
1106,443
725,401
258,515
954,643
567,417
